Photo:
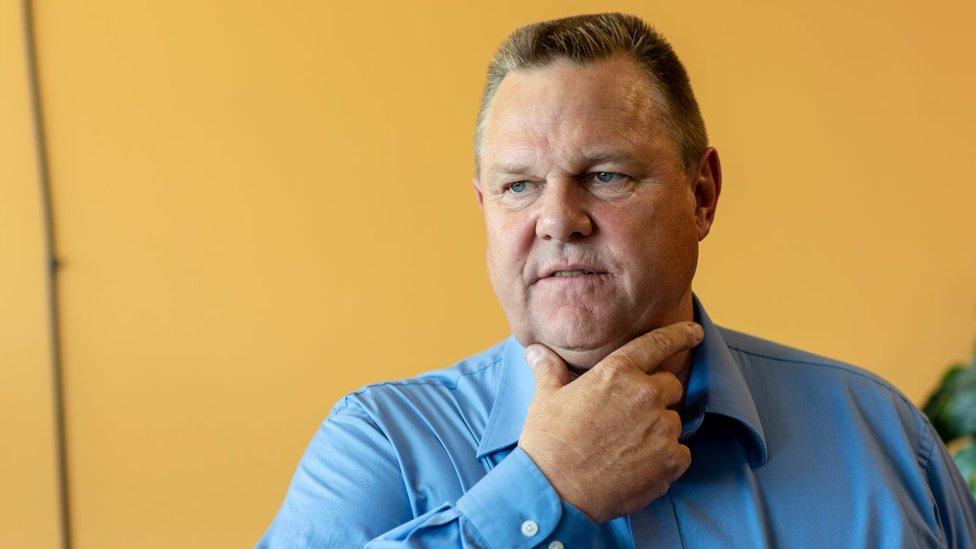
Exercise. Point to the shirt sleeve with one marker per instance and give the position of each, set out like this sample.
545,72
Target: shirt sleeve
954,505
348,491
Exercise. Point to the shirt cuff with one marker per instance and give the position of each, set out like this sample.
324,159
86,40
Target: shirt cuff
514,505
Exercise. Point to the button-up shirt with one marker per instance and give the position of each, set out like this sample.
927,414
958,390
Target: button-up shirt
789,449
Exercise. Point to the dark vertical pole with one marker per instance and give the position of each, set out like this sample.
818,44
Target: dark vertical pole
51,268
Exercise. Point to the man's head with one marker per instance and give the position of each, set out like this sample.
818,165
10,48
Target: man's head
596,183
587,38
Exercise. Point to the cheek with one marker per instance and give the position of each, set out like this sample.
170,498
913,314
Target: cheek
510,232
507,249
651,241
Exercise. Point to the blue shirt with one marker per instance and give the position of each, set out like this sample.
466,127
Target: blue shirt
789,449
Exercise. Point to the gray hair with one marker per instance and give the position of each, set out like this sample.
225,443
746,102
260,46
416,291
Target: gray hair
585,38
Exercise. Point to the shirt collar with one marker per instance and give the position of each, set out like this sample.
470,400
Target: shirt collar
715,386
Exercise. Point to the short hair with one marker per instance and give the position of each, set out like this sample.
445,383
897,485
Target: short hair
584,38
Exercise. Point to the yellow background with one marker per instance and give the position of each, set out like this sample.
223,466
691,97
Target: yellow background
263,205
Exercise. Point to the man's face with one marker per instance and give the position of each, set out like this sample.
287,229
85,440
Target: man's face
591,222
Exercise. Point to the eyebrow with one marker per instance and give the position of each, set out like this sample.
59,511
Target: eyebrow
590,158
510,169
598,157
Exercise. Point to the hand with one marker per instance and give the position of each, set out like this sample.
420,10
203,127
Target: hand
607,442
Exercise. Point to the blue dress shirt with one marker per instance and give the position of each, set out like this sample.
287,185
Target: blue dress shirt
789,449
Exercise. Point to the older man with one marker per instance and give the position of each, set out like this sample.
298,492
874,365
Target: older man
617,414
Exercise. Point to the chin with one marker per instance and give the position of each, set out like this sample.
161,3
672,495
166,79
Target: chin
581,333
580,351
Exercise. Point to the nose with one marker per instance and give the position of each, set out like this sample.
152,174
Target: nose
562,215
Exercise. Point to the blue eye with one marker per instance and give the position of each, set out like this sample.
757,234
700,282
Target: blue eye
517,187
604,177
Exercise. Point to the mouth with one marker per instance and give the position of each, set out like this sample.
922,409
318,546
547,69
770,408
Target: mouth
570,273
573,272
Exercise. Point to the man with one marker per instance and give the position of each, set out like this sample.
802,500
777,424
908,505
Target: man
617,414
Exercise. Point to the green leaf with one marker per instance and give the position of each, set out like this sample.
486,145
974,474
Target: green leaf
966,461
945,417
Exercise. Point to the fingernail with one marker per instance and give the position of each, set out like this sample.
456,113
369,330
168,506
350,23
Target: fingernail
697,330
532,354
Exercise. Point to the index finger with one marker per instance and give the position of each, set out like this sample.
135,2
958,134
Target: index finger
648,351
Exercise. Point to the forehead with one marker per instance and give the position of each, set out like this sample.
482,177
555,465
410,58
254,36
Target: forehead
569,112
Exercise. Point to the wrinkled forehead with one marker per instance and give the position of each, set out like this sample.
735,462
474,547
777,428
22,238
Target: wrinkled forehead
571,113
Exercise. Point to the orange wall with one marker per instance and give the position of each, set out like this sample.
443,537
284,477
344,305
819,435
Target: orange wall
262,206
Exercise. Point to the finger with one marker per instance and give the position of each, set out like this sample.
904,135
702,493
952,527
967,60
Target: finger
548,368
648,351
667,387
673,424
682,460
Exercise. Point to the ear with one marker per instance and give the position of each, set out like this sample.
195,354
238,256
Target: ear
707,187
477,192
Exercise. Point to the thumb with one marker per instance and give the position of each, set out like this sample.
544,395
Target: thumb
549,369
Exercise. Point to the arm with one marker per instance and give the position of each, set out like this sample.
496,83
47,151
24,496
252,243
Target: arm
601,447
955,508
348,492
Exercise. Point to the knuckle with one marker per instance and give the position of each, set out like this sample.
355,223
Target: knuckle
669,386
682,459
673,385
659,487
618,366
672,420
647,393
672,381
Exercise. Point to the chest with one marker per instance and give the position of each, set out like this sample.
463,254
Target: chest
812,493
819,493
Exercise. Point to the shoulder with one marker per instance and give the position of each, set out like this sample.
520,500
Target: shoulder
468,386
776,359
795,379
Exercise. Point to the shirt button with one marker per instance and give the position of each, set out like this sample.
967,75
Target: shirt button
530,528
556,545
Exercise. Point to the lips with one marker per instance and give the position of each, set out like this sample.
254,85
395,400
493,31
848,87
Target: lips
560,274
569,270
